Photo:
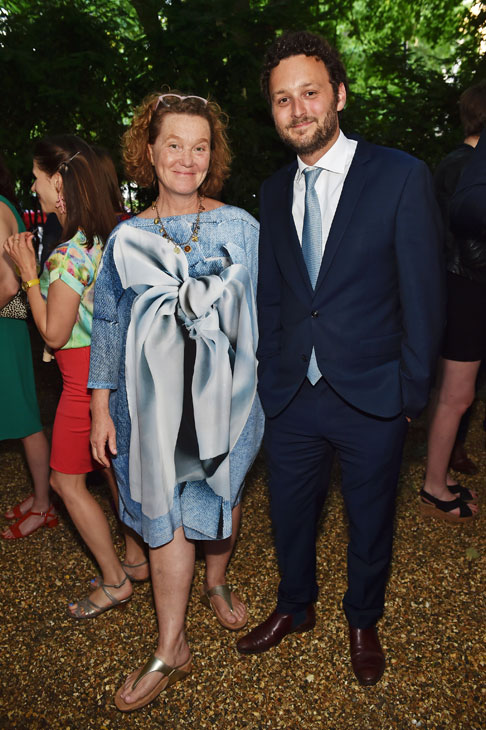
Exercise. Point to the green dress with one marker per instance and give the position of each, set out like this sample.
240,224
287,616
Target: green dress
19,415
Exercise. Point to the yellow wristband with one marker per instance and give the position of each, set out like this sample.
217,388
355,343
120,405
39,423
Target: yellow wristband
27,284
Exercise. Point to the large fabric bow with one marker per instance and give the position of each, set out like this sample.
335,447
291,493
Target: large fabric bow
188,405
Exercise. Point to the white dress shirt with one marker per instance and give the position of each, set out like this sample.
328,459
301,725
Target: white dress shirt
335,163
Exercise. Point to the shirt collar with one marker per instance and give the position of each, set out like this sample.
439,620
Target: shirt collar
334,160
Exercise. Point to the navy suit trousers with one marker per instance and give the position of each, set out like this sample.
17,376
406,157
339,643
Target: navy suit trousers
300,443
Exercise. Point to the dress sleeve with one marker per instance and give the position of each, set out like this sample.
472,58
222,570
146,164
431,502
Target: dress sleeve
73,266
251,232
106,344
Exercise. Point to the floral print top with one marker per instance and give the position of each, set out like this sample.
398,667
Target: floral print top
77,266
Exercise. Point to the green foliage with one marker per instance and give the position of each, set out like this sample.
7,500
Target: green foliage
62,73
81,66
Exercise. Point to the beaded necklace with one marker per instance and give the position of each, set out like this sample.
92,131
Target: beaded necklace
194,233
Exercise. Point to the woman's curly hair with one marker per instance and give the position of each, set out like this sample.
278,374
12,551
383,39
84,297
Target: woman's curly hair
145,128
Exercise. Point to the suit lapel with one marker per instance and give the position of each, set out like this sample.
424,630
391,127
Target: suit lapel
350,195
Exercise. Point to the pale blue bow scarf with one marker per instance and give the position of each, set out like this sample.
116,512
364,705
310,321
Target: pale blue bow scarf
217,312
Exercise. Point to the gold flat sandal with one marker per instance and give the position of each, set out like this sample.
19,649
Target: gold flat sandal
225,592
170,675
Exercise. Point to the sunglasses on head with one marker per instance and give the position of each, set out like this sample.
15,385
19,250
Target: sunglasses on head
168,99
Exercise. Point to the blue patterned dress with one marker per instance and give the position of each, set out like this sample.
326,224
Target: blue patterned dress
227,235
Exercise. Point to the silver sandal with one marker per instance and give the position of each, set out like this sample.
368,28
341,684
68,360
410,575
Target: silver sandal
97,581
86,608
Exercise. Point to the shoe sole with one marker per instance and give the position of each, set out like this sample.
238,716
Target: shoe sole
428,510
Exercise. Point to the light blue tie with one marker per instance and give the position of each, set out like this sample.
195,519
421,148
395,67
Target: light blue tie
312,246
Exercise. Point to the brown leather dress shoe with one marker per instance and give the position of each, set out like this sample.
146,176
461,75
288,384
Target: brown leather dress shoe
460,461
463,464
367,655
272,631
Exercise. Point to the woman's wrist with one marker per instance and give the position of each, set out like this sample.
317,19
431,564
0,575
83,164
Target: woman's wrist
28,274
28,283
99,405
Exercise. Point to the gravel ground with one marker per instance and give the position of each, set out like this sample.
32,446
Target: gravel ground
61,674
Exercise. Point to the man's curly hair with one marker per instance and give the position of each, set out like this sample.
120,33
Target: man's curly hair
303,43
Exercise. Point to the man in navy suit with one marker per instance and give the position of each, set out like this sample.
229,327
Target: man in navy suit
351,310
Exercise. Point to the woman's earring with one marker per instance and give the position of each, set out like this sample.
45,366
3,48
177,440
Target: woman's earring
60,202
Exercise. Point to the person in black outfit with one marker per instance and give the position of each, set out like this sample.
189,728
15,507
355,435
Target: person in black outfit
465,337
446,176
468,209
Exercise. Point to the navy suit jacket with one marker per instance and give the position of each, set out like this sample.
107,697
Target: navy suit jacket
377,313
468,204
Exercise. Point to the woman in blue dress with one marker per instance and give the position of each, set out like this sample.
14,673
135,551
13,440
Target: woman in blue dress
173,369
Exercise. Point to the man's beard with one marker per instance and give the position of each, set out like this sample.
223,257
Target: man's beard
322,136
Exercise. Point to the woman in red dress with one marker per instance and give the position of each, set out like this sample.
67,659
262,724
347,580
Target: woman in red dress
68,182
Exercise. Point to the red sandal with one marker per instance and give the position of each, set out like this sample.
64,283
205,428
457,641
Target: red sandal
16,512
50,520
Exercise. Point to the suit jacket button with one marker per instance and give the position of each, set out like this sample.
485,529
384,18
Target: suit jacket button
305,358
315,313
